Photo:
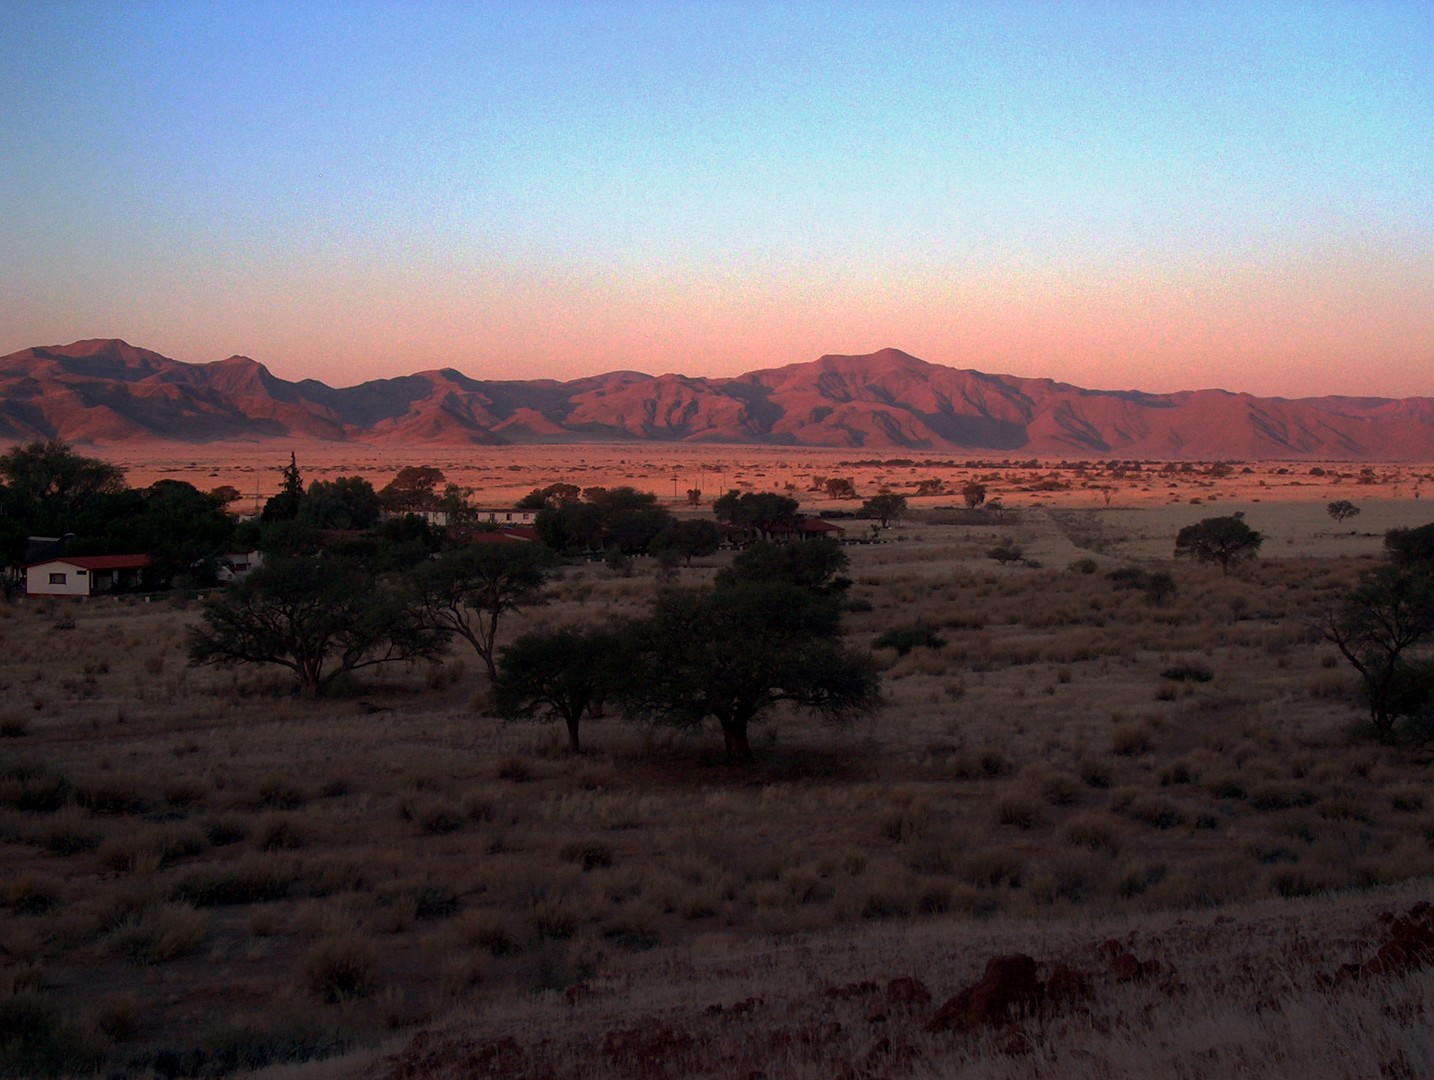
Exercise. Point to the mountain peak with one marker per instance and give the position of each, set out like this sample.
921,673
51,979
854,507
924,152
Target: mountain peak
888,399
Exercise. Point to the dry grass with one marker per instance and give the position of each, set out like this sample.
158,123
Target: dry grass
395,854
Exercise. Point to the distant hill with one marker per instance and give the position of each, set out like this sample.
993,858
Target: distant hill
105,392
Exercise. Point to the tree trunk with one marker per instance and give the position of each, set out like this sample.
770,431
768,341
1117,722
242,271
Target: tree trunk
572,722
734,737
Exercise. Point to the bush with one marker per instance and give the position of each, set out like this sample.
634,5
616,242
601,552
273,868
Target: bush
339,969
905,638
1188,673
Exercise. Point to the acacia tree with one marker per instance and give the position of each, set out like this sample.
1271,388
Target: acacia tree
757,512
884,507
732,654
1341,510
319,616
560,675
412,490
1224,540
1389,612
973,494
688,538
816,565
467,590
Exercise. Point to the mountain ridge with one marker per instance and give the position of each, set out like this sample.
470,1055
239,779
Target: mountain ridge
104,391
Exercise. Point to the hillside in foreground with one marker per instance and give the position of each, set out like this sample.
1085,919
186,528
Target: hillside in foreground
107,392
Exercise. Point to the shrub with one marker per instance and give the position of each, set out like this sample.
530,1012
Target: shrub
253,879
159,934
339,969
1018,808
1130,740
1092,833
587,854
1188,672
1157,812
905,638
33,788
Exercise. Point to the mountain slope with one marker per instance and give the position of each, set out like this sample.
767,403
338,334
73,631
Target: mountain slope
107,391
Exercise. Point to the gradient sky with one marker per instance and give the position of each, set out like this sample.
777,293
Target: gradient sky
1154,195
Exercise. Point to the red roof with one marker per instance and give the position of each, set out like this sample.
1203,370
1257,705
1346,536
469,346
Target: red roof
99,562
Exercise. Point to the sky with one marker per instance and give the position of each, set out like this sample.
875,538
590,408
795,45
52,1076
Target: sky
1145,195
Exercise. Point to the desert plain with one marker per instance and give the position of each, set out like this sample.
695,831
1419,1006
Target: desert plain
1175,808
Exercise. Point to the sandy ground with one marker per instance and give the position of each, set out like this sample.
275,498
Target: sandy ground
1126,513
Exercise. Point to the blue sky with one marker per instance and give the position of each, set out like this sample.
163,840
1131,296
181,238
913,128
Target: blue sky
1154,195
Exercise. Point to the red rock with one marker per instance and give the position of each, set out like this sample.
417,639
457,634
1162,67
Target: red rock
1009,983
1066,984
907,991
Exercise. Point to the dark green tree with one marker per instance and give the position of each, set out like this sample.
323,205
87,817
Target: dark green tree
561,674
412,490
1342,510
688,539
321,617
1389,612
285,505
733,654
1224,540
755,513
1411,547
51,475
346,502
816,565
570,528
468,590
885,507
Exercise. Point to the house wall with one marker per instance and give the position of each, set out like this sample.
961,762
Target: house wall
37,580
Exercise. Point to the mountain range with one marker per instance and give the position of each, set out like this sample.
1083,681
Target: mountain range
105,392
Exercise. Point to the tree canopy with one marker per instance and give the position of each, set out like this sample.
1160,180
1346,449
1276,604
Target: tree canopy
732,654
561,674
1224,540
1389,612
467,590
319,616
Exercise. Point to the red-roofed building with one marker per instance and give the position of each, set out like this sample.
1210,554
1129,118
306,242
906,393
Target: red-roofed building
804,528
84,575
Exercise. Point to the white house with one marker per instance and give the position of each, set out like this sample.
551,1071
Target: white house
505,516
84,575
237,565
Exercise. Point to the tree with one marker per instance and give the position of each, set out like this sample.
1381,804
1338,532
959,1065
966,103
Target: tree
49,473
182,529
467,590
732,654
840,487
560,675
285,505
1341,510
225,495
1410,547
557,494
884,507
1224,540
688,538
973,494
814,565
413,490
347,502
1390,611
319,616
757,512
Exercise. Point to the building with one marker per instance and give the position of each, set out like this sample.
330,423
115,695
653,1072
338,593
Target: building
85,575
505,516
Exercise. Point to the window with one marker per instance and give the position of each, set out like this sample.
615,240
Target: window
57,579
